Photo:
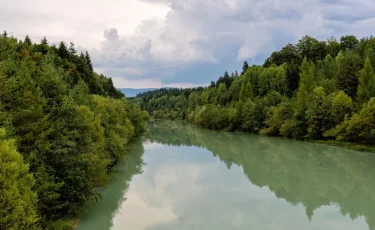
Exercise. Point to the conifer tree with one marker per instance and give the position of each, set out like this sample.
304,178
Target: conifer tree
63,51
88,61
307,82
244,67
44,41
366,87
28,40
72,50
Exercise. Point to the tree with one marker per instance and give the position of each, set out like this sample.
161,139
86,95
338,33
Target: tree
318,50
287,54
327,74
43,46
72,50
18,201
5,34
276,117
244,67
305,46
63,51
349,64
25,102
222,94
318,113
88,61
246,91
254,115
360,128
28,40
307,82
333,47
366,87
292,76
44,41
234,90
348,42
341,107
69,141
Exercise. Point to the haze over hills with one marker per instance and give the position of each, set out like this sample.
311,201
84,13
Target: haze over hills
131,92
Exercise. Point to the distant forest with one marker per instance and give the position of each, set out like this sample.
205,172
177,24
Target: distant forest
62,128
321,90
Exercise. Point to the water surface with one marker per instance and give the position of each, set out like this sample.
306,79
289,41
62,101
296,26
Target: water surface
180,176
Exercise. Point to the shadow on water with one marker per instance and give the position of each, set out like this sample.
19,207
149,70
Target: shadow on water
100,215
299,172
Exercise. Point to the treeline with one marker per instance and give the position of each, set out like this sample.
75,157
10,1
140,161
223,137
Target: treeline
313,89
62,128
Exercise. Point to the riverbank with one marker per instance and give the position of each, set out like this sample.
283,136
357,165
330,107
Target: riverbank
347,145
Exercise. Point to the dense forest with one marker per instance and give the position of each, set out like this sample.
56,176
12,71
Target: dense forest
62,128
309,90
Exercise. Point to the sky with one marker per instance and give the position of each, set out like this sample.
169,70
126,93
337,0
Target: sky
182,43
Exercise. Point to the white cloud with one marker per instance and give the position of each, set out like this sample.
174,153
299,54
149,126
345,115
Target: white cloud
81,22
192,41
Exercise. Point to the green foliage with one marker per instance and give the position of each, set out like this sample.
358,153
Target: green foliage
17,200
70,125
313,97
307,82
349,64
341,107
366,87
348,42
359,128
327,71
318,113
244,67
277,117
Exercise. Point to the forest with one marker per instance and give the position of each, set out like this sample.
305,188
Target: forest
312,90
62,128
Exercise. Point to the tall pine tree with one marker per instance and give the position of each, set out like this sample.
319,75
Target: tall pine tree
366,87
244,67
307,82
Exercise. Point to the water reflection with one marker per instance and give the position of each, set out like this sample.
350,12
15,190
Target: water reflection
303,174
185,177
100,215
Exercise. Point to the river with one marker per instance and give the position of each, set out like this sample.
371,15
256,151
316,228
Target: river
180,176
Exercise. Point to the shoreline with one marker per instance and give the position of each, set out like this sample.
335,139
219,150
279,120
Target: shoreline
346,145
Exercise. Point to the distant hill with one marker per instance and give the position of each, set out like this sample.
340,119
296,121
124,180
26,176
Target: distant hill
130,92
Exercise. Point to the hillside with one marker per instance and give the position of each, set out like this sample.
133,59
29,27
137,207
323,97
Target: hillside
62,128
320,90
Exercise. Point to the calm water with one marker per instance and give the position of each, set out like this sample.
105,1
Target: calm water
183,177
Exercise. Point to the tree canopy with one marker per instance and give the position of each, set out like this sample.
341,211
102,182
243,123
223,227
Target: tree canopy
66,127
309,90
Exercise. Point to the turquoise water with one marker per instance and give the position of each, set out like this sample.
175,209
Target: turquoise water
180,176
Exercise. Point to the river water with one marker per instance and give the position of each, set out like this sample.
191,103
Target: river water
180,176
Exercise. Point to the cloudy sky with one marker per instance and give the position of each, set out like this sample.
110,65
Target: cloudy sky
153,43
